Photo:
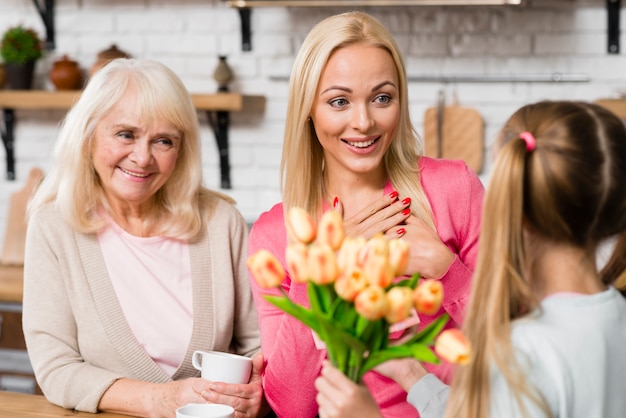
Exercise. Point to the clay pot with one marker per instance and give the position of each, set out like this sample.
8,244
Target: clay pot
107,55
3,75
66,75
20,76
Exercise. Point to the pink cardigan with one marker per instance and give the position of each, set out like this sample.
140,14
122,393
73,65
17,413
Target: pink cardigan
293,362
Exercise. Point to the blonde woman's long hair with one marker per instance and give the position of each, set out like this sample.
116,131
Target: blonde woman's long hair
73,184
570,189
302,162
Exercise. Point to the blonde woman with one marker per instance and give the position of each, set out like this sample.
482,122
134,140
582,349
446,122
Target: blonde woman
349,145
547,327
131,264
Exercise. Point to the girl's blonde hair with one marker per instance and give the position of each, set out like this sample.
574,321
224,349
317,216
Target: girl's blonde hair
302,163
569,190
73,184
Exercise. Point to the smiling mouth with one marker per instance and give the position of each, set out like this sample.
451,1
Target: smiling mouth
131,173
361,144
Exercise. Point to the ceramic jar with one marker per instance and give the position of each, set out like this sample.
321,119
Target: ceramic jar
222,73
107,55
66,74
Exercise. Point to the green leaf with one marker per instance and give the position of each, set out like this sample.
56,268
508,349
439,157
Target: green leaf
304,315
429,333
321,297
419,351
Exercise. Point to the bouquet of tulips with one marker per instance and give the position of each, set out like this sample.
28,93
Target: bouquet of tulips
355,299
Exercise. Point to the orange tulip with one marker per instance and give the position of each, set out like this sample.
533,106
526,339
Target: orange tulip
266,269
297,255
452,346
428,296
350,253
371,303
300,225
398,256
322,264
349,285
378,271
400,301
330,230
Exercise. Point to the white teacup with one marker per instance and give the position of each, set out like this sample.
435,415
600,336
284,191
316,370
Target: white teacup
205,410
217,366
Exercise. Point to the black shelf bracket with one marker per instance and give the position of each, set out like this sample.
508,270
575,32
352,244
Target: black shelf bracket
46,11
613,9
8,140
219,121
246,31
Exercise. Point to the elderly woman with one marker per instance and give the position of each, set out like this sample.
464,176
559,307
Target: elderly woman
131,264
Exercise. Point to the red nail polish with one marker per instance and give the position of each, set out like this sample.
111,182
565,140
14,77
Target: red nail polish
335,202
406,201
393,195
406,212
400,231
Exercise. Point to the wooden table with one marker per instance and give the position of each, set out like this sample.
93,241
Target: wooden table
18,405
217,107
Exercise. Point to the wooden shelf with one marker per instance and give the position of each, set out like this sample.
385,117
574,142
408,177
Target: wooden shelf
41,99
217,106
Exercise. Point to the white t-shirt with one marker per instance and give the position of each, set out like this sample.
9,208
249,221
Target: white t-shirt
152,279
572,350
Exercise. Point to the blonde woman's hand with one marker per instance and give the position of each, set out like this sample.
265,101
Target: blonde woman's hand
427,254
339,397
247,399
386,214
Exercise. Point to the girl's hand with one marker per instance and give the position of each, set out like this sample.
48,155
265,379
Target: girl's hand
339,397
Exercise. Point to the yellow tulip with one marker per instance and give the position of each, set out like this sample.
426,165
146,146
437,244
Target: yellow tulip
428,296
266,269
452,346
400,300
322,264
300,225
330,230
297,255
371,303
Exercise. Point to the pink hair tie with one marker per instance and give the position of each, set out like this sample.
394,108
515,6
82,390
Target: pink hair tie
530,140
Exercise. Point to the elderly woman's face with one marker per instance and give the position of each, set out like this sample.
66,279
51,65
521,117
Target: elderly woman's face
133,158
357,108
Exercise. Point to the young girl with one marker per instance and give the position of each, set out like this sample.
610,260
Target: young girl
547,325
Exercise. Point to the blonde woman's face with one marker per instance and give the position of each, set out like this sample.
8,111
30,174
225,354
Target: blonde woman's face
133,158
357,109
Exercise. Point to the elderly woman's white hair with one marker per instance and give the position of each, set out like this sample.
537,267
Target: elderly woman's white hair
73,184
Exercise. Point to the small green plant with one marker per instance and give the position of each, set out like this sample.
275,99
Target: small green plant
20,45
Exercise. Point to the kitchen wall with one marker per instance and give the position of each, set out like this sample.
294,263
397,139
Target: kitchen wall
546,37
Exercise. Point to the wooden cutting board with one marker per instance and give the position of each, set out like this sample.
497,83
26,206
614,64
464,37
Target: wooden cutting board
458,134
15,237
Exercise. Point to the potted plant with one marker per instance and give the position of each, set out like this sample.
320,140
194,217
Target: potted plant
20,48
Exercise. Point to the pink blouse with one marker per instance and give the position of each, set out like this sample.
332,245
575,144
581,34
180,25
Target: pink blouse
293,360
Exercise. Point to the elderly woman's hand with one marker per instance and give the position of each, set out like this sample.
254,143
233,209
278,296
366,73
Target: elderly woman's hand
247,399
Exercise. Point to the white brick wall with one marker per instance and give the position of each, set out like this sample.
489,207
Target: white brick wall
547,36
